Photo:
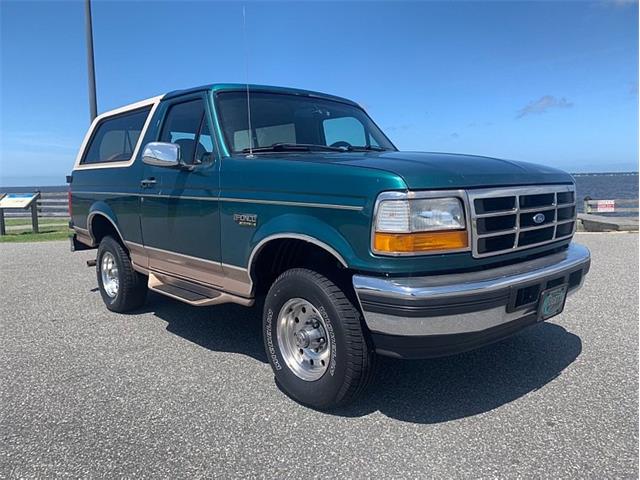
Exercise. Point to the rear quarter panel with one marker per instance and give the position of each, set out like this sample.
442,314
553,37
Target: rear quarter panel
112,192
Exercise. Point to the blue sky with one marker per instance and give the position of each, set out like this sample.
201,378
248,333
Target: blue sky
548,82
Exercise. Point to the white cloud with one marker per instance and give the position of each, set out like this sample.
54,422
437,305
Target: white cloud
543,104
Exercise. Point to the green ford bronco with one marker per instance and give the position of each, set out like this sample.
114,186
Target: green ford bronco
296,202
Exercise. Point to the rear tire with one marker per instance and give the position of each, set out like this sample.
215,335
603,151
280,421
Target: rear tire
319,352
121,287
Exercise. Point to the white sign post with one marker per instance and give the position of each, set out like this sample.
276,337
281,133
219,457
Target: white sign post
19,201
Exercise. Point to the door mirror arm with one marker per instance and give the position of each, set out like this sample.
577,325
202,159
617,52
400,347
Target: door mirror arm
185,166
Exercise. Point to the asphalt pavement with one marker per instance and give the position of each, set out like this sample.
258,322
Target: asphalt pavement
175,391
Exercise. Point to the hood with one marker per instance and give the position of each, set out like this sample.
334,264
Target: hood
446,170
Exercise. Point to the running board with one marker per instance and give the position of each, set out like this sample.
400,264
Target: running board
192,293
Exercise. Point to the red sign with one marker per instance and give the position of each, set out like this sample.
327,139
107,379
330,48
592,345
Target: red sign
606,206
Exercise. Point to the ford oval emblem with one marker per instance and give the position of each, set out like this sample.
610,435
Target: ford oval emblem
539,218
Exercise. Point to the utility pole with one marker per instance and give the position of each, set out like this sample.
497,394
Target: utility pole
93,107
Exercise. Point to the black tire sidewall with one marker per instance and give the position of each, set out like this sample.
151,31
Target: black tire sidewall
328,388
111,246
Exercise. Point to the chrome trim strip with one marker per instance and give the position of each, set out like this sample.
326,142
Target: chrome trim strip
498,233
294,204
548,208
234,267
513,211
521,190
538,227
213,263
90,218
482,281
460,286
442,325
179,197
287,235
227,199
294,236
104,194
498,213
521,229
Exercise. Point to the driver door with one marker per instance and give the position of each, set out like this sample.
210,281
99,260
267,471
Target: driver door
180,215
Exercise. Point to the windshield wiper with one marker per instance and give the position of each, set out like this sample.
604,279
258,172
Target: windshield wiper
293,147
365,148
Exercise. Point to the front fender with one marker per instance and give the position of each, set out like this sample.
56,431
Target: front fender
304,227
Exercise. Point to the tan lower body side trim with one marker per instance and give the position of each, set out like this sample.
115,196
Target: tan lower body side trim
83,235
192,293
208,273
238,280
139,257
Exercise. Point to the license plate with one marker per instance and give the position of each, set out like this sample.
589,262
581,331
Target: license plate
552,302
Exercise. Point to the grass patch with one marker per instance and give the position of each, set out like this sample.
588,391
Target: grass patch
13,222
48,232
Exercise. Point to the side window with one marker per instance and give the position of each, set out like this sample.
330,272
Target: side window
115,138
344,129
186,125
204,148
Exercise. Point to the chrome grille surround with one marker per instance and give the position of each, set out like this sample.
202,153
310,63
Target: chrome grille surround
502,218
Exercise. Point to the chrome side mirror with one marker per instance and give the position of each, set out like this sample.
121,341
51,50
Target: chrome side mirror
162,154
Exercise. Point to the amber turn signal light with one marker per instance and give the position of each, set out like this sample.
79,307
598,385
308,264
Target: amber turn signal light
420,242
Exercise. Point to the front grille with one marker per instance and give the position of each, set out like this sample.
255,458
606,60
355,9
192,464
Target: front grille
508,219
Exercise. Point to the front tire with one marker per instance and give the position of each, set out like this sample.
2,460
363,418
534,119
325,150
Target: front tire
317,348
121,287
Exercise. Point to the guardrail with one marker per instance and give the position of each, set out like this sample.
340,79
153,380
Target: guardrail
50,204
610,206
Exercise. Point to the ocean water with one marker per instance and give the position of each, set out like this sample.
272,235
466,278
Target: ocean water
606,186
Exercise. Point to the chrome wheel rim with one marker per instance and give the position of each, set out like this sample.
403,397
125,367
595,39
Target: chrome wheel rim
303,339
109,274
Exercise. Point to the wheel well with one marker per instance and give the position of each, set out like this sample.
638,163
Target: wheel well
282,254
101,227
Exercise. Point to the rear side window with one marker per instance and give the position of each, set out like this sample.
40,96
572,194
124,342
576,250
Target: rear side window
115,138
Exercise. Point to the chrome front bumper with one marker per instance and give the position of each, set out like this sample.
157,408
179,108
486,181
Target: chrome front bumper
462,308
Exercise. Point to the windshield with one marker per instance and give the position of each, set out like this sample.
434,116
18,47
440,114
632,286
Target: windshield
284,122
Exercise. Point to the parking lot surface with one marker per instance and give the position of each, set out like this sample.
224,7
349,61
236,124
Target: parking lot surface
175,391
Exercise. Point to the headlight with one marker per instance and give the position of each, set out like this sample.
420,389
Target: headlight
419,225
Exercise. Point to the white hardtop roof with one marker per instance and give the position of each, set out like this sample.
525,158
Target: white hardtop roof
131,106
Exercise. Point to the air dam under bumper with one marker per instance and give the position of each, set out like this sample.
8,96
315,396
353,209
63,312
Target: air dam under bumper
422,317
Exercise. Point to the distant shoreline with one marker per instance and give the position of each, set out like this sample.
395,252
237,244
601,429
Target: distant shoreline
588,174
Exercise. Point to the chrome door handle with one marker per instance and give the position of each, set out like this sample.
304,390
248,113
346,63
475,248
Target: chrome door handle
148,182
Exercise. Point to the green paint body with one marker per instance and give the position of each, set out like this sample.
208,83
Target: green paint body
192,212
